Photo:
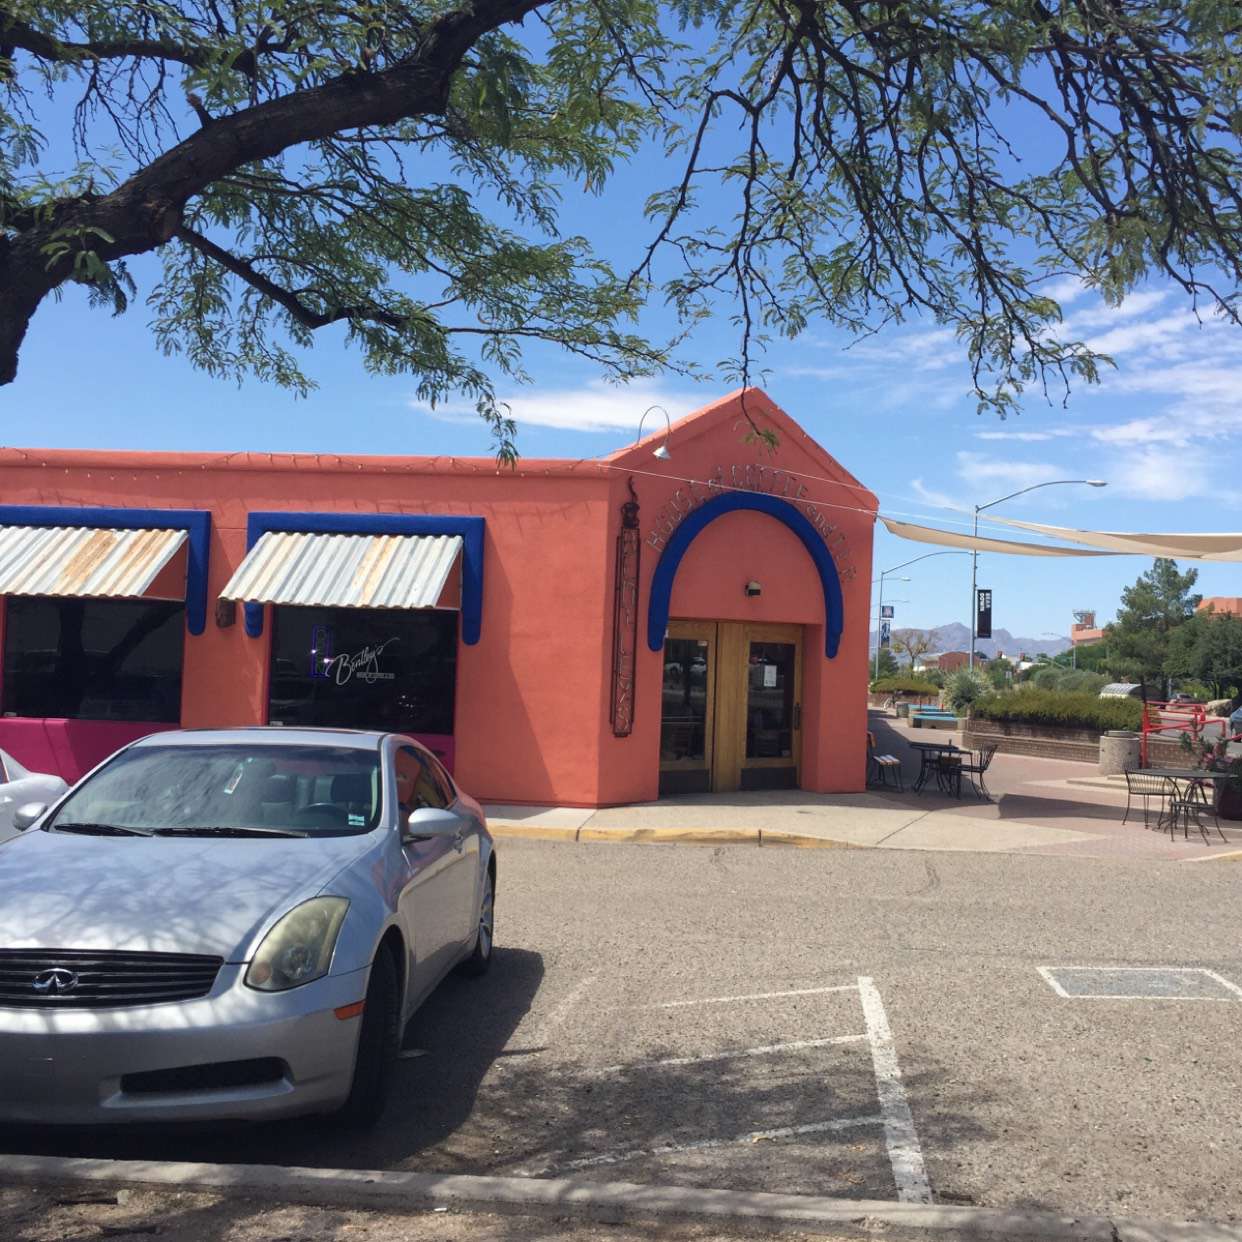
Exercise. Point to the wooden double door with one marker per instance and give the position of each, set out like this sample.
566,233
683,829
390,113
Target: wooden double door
731,715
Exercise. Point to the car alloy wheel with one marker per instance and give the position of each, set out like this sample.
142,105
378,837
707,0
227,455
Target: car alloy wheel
478,962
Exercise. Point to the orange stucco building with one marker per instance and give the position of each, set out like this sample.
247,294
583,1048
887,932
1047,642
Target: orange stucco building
572,632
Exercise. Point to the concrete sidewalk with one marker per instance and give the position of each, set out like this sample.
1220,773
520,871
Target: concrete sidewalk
780,818
1044,806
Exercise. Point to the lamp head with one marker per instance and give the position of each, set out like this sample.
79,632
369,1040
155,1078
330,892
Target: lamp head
661,452
1097,483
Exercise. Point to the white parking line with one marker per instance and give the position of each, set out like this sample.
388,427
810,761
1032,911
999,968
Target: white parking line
1050,979
764,1051
545,1025
752,996
754,1136
904,1152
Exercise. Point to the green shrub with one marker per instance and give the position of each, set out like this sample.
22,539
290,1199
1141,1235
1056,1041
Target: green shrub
903,685
963,688
1082,681
1046,678
1078,710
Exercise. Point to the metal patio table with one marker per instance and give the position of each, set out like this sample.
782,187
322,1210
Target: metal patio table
1187,781
930,754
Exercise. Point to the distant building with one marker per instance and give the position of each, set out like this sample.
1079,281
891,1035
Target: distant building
1231,604
1084,631
951,661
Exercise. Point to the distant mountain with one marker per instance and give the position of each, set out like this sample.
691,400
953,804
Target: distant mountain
956,637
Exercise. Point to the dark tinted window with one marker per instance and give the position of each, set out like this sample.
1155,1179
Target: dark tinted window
93,659
417,782
364,668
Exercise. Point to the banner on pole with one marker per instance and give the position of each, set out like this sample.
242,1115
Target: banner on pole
886,632
886,611
983,614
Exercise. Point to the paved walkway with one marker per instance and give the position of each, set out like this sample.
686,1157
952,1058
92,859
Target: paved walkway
1044,806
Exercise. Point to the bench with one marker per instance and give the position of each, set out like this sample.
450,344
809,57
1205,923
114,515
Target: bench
936,719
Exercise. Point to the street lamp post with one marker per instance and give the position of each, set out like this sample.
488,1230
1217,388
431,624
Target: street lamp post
879,617
974,554
879,620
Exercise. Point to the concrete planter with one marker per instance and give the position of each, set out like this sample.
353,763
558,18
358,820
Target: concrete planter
1229,801
1119,751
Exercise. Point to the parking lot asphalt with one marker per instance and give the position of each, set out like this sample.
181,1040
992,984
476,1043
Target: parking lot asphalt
825,1022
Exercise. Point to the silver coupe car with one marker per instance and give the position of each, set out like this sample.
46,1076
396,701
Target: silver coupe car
234,924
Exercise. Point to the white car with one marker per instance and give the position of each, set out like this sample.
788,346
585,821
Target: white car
18,786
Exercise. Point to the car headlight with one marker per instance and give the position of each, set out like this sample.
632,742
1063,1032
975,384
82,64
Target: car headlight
299,948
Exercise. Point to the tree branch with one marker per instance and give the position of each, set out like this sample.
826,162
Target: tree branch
20,36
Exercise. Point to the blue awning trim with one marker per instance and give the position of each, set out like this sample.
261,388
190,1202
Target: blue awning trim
195,522
469,528
757,502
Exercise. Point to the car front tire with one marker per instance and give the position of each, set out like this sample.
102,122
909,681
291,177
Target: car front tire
379,1041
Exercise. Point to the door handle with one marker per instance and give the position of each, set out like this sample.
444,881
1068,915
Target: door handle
797,723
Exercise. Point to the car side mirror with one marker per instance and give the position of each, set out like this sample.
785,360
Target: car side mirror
430,821
26,815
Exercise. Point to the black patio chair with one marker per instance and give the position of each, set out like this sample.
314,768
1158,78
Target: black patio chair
976,767
1193,800
949,774
1145,786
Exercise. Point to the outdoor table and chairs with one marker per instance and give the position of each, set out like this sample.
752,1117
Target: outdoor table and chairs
948,763
1183,793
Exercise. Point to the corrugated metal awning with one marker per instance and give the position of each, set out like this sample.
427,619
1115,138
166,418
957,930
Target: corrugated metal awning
83,560
345,571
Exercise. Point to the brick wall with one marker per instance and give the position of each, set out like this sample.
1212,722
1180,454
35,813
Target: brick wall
1049,742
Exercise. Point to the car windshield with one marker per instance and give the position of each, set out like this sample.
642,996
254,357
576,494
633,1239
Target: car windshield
228,790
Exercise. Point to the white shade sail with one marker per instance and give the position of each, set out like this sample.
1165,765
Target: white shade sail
87,561
980,543
1200,547
345,571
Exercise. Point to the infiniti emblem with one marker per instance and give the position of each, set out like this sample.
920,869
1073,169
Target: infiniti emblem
55,981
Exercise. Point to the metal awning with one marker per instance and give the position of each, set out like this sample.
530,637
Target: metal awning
83,560
345,571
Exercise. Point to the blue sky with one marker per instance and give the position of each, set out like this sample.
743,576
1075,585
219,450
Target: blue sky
895,409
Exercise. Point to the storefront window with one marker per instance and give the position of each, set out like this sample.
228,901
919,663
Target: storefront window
93,659
364,668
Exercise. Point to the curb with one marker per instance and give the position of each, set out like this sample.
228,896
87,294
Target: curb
614,1201
1231,856
671,836
533,833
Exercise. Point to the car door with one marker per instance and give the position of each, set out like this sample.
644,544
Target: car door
466,878
428,903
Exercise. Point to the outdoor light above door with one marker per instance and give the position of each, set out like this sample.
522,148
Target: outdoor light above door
661,453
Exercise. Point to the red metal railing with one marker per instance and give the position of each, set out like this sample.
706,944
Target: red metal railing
1176,719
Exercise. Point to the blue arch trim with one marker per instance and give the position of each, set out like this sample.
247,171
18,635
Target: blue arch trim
469,528
758,502
195,522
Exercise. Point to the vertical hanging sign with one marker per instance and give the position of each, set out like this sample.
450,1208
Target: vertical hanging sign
983,614
625,618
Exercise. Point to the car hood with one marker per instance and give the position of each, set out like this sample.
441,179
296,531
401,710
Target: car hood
162,894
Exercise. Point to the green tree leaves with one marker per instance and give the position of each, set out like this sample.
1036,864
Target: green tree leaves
399,168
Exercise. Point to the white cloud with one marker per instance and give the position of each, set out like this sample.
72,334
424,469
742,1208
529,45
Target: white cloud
596,406
1025,437
1152,473
1065,289
1131,307
937,499
975,468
